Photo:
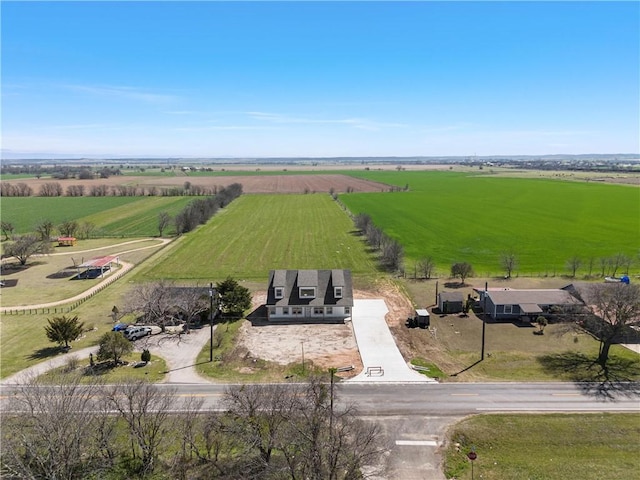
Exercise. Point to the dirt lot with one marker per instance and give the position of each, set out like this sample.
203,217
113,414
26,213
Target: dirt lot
250,184
326,345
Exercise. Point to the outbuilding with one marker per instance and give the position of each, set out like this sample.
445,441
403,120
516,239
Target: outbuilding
450,302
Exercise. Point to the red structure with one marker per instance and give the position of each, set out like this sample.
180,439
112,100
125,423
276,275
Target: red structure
66,241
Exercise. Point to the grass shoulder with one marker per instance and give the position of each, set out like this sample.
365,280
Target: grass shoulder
131,368
558,446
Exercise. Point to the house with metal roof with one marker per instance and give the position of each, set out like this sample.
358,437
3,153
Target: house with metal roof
523,304
309,295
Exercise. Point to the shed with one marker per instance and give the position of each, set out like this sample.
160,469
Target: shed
450,302
66,241
422,317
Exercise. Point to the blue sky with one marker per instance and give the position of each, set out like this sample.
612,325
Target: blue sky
245,79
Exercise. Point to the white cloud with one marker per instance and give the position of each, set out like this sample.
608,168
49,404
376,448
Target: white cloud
361,123
124,92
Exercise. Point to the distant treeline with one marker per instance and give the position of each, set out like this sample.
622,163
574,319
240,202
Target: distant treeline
55,189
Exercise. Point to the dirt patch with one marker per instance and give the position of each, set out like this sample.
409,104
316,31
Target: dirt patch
250,183
331,345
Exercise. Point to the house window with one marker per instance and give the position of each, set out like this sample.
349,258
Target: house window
318,310
329,311
337,292
508,309
279,292
285,310
272,310
307,292
347,310
296,310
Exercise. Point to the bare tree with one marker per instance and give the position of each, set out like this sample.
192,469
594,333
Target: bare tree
23,190
162,303
375,236
25,246
362,222
191,302
392,254
75,190
573,264
86,229
509,262
164,220
462,270
261,413
426,266
187,425
45,229
7,229
146,410
615,306
51,189
325,442
68,228
49,437
314,439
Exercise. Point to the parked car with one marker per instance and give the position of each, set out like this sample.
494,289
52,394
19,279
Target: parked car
120,326
134,333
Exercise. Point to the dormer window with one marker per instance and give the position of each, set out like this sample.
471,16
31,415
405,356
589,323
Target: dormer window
337,292
307,292
279,292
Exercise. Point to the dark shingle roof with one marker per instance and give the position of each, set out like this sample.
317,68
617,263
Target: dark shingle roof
322,280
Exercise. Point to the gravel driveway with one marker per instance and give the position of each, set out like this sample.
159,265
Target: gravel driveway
180,352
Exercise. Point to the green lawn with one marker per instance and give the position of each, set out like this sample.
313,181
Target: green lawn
474,218
257,233
541,447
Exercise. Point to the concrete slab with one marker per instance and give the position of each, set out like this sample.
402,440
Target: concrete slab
381,358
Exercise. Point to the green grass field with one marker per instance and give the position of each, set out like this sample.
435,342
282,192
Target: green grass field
257,233
120,216
556,446
456,217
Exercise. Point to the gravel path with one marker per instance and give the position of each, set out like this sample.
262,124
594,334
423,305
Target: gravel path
179,351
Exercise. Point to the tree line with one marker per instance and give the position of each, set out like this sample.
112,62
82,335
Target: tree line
391,253
197,212
55,189
75,430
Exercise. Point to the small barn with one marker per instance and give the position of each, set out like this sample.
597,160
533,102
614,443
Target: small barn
450,302
66,241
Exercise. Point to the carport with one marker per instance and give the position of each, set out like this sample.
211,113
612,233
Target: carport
96,267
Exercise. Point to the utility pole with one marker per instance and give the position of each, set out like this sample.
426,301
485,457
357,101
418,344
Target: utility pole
332,372
211,322
484,319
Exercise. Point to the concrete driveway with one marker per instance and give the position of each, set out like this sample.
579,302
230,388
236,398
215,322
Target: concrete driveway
381,358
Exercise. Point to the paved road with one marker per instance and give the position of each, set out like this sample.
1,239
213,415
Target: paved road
414,417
